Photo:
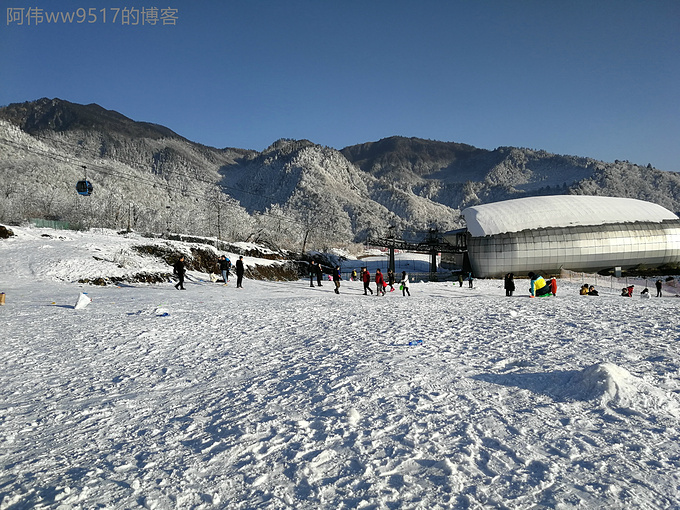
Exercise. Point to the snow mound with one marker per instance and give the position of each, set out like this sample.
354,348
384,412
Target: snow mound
615,386
605,381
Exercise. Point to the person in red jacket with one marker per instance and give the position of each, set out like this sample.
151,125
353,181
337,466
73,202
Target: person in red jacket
366,278
379,283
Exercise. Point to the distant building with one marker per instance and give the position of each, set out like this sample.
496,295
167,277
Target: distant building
577,232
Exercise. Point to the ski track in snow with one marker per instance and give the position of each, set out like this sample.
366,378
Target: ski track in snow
282,396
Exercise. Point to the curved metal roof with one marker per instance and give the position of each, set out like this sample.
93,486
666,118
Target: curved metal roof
559,211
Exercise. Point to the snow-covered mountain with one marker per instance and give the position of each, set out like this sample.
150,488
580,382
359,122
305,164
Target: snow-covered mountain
294,194
459,175
319,187
144,175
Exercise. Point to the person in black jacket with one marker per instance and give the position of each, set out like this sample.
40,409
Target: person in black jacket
225,266
319,274
312,273
336,279
179,270
509,284
239,272
390,279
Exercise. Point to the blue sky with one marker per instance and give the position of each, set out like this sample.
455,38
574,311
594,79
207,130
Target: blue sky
598,78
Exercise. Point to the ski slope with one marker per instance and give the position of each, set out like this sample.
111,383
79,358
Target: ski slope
278,395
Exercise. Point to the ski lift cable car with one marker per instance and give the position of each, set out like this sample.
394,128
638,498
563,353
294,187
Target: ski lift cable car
84,187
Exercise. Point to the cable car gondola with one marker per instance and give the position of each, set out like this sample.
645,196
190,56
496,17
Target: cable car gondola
84,187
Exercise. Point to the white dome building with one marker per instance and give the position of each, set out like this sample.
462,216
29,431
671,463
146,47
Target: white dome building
577,232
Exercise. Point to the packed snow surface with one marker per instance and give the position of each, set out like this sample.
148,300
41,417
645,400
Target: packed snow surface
279,395
559,211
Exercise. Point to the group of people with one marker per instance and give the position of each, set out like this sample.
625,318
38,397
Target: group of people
467,278
316,274
179,270
539,287
628,291
380,283
588,290
225,267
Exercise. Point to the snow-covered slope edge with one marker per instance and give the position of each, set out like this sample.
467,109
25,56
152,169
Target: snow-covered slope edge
105,257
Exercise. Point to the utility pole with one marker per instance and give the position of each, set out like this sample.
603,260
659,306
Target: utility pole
391,264
432,241
219,219
129,227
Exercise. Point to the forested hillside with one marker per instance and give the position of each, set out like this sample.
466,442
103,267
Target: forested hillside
295,194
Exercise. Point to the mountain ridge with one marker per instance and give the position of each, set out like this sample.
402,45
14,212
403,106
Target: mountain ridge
294,190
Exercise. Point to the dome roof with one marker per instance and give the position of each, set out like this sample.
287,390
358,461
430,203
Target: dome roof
559,211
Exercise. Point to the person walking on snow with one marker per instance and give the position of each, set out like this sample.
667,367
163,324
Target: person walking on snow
404,284
225,265
319,274
179,271
312,273
367,281
659,284
379,283
336,279
239,272
390,279
509,284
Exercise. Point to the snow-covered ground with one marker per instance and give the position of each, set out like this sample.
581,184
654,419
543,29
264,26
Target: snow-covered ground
278,395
